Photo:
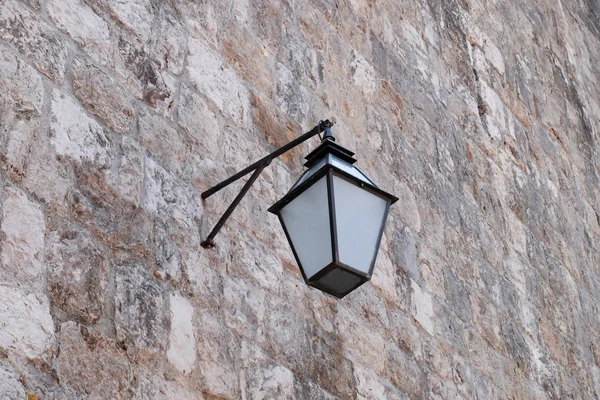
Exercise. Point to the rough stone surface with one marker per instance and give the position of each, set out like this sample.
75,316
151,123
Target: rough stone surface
218,81
10,387
140,314
482,117
34,38
182,343
90,363
85,27
23,227
75,135
27,327
102,96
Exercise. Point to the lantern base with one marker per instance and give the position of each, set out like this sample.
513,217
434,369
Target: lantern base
337,280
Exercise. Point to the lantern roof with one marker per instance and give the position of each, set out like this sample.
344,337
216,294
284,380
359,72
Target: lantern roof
329,154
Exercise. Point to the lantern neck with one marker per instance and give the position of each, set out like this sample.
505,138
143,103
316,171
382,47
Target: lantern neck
328,135
329,146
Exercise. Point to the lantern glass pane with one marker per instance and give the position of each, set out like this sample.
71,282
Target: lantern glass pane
306,219
310,172
350,169
359,217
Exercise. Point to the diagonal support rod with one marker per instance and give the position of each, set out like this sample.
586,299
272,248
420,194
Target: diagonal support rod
208,243
257,167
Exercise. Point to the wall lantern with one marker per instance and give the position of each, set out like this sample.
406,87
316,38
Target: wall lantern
333,216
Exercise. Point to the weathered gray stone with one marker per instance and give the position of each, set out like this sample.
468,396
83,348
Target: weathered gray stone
170,42
165,194
23,91
404,373
148,385
81,23
102,95
199,122
141,317
217,81
368,384
23,227
90,363
404,247
134,15
216,372
422,310
34,39
78,274
27,326
10,387
270,381
363,74
26,154
131,171
21,109
164,143
292,98
309,390
35,4
75,135
182,343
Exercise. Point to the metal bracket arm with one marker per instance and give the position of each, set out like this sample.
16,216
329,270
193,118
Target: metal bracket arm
257,167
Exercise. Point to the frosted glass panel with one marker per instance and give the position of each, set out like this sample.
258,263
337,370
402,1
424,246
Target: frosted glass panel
306,219
359,216
310,172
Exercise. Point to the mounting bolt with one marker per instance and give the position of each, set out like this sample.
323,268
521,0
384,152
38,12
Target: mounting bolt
208,244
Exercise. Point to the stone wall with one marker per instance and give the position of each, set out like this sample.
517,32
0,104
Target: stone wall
482,116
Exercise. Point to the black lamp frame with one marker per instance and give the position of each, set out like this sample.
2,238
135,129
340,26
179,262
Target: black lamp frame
329,171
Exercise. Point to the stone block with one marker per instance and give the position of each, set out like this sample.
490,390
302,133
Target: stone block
90,363
291,97
131,171
135,16
170,42
199,122
404,249
404,373
85,27
182,342
218,82
368,383
23,90
102,96
78,275
141,318
34,38
23,227
309,390
163,142
166,195
27,326
422,310
10,387
270,381
77,136
21,111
